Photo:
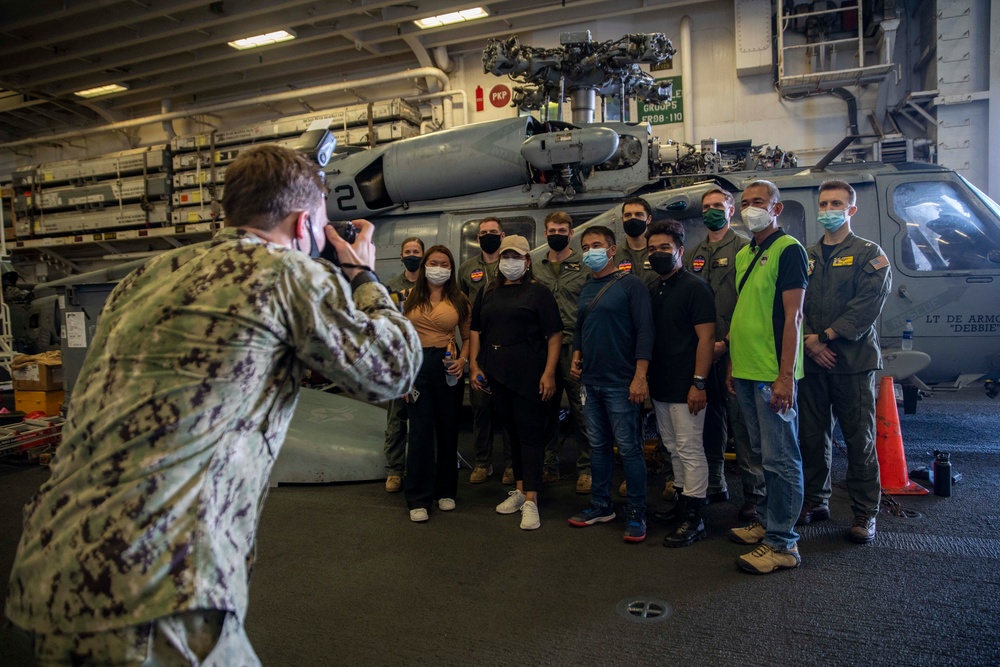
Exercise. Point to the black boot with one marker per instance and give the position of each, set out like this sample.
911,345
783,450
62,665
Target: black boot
691,528
675,514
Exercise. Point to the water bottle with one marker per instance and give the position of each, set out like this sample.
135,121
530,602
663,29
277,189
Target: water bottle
452,380
484,384
942,473
765,390
908,335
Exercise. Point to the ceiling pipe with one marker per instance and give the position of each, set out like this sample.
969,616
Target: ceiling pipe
442,60
419,72
687,78
447,95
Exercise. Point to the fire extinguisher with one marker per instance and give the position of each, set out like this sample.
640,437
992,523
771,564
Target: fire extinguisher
480,103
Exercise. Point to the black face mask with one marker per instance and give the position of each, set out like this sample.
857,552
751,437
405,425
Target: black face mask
490,243
411,262
558,242
634,227
662,262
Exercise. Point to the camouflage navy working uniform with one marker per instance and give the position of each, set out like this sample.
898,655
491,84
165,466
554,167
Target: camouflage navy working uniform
715,263
173,428
847,290
566,279
395,425
474,275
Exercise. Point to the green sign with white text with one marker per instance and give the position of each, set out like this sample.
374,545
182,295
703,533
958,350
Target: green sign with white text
664,114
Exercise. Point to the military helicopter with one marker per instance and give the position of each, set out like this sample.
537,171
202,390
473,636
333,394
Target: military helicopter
941,234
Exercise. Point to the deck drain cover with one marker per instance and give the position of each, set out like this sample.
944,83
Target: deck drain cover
643,609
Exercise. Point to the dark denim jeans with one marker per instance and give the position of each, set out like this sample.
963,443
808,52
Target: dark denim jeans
613,420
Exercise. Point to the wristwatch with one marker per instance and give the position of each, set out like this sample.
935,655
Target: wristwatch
698,383
824,337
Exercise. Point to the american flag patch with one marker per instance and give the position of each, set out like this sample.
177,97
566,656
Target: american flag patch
880,262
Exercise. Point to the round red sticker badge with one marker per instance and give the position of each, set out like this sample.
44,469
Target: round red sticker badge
476,275
698,264
625,265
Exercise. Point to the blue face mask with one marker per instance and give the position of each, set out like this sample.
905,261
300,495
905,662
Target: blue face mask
596,259
832,220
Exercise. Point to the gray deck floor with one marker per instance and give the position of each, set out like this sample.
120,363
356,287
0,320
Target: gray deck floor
343,577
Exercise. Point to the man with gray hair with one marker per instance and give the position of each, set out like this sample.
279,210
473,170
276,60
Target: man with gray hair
141,544
765,363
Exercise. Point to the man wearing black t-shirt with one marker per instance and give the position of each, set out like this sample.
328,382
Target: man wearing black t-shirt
684,322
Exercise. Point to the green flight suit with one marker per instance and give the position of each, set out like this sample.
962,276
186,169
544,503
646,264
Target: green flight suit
395,427
565,287
846,293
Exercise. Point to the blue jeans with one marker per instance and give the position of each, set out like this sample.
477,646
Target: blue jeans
775,441
612,419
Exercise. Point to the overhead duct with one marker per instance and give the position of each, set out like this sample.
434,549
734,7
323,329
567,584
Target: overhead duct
420,72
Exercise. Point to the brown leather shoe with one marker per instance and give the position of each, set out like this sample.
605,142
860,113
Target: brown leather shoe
863,530
393,483
550,476
508,476
583,483
812,512
479,474
748,513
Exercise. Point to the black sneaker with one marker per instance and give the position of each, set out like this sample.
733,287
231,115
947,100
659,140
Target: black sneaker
717,497
812,512
748,513
635,524
674,515
690,530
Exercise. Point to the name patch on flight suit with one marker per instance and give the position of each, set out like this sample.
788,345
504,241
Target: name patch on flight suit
476,275
647,266
844,261
722,261
698,264
625,265
571,266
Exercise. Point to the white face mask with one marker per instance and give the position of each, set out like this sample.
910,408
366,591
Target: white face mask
756,218
513,268
437,275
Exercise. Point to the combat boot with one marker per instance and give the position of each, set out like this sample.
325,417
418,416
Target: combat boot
675,514
691,528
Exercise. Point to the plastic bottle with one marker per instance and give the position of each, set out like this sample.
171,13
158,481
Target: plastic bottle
452,380
765,390
942,473
484,384
908,335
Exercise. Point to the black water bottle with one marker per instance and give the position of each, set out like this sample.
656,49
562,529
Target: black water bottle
942,473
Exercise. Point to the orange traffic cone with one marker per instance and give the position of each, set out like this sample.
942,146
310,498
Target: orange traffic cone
889,445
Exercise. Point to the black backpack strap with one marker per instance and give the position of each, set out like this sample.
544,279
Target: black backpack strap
616,276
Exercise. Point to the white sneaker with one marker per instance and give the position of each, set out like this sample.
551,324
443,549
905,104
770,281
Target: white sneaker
529,516
515,499
446,504
418,515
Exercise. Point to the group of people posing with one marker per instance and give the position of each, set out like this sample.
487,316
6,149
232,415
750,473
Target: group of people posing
758,339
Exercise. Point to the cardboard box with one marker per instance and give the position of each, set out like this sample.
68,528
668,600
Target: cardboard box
49,402
38,377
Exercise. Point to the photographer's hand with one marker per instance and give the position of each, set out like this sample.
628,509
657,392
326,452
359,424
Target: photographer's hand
360,253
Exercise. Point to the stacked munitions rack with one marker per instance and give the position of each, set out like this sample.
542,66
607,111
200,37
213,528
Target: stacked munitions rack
173,190
122,190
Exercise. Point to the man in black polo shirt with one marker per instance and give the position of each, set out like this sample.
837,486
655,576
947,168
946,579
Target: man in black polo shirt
684,321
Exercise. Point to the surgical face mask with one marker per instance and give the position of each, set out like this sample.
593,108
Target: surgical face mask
411,262
437,275
596,259
513,268
832,220
634,227
662,262
714,219
558,242
757,219
490,243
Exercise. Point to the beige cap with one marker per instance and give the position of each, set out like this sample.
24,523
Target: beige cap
517,243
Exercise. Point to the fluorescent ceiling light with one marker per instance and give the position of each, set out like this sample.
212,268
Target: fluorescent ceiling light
263,40
102,90
453,17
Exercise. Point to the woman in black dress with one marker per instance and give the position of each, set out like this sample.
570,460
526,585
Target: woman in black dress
515,342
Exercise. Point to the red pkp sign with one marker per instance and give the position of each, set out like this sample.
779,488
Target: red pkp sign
500,95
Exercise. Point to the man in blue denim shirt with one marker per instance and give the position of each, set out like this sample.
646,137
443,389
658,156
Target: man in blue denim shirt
612,346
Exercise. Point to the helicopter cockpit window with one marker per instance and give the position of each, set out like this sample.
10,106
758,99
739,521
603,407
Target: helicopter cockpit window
943,232
520,224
